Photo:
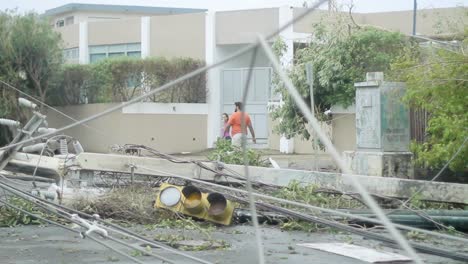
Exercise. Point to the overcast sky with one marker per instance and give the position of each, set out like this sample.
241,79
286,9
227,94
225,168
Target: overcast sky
359,5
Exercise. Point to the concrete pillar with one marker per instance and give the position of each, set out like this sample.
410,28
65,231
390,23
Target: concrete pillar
287,35
145,49
145,37
83,43
213,80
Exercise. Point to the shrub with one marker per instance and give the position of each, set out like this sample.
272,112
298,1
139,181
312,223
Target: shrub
11,217
121,79
227,153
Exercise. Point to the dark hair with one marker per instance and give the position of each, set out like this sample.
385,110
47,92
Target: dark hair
225,114
239,105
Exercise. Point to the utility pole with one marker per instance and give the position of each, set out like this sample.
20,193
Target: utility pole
310,80
23,133
415,8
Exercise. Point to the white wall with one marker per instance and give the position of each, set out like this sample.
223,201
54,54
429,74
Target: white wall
243,61
169,108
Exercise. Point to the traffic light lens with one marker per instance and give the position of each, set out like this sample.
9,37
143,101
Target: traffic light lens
192,196
170,196
217,202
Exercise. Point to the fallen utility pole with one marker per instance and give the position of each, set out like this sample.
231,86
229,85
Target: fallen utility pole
24,177
85,163
82,168
23,134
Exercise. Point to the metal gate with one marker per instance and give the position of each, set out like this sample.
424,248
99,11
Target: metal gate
233,82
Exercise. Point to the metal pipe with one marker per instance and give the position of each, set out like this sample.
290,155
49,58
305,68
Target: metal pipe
458,222
462,213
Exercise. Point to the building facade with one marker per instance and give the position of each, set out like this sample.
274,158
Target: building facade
95,32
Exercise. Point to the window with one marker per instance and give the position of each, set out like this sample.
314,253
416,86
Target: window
116,54
60,23
100,52
69,20
71,55
97,57
134,54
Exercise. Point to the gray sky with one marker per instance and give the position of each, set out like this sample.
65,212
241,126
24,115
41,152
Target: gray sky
359,5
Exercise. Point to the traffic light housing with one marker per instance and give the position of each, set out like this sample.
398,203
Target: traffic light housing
189,200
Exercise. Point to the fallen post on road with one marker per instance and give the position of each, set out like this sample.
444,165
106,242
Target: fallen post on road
391,187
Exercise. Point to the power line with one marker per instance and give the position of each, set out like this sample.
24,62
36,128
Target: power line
63,209
51,107
69,229
439,173
370,202
69,217
308,206
357,185
253,210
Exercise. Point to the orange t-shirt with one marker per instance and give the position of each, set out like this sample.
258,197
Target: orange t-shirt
235,122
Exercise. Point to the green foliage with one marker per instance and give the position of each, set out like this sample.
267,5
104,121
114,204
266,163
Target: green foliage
299,226
68,84
227,153
311,194
136,253
415,235
10,217
186,224
29,55
340,57
123,78
437,82
30,52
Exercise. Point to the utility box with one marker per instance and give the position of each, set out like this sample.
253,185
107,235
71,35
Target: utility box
382,120
382,130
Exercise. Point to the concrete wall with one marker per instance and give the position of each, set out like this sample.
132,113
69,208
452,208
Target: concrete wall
114,32
448,20
237,27
302,146
170,133
344,132
178,36
242,61
70,35
429,21
305,24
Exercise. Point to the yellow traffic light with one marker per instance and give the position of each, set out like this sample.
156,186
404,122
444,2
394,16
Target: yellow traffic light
189,200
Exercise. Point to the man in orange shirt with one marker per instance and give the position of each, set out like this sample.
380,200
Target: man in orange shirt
235,122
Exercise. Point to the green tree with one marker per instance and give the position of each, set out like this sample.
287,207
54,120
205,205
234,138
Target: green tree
30,54
341,55
437,82
36,51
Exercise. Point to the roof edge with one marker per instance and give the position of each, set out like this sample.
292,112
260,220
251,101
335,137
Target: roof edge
120,9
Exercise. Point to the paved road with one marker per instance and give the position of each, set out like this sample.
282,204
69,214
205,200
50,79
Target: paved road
34,244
